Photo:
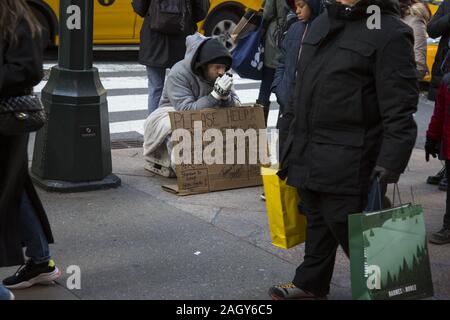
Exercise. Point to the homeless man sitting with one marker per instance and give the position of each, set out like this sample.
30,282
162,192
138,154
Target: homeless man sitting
198,81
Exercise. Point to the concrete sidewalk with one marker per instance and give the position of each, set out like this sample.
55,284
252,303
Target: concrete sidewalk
140,242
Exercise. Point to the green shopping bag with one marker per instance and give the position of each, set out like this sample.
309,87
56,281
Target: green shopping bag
389,255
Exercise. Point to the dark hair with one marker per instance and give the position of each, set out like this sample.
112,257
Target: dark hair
404,7
12,12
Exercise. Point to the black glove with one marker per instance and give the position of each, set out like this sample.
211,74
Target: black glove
385,175
431,148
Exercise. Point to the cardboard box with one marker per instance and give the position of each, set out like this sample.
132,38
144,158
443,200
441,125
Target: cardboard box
194,178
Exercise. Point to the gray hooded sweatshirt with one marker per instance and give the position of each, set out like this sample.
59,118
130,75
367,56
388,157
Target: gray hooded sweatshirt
185,89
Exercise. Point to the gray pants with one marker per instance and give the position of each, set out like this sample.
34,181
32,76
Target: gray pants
156,76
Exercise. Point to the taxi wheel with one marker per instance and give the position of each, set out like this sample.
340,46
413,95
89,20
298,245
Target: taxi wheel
221,25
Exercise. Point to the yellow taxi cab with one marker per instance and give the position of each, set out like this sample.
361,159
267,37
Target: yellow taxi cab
116,23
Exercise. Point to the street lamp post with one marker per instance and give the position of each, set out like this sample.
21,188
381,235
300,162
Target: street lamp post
72,152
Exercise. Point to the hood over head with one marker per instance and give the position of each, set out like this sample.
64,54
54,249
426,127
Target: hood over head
316,7
359,9
202,50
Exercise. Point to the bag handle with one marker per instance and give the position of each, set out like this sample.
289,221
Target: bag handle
393,195
376,183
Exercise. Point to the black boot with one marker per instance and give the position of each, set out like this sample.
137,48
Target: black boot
437,178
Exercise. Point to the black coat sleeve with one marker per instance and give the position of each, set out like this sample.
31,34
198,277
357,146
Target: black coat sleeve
200,9
141,7
398,95
440,23
21,66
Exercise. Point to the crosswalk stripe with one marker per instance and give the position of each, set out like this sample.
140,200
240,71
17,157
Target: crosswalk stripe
112,83
140,101
121,78
138,125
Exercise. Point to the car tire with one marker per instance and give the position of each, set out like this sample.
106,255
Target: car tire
45,27
221,25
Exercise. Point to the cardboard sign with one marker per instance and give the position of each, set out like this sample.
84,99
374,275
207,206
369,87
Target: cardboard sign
197,175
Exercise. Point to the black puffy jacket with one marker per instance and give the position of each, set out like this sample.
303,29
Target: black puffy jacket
355,95
439,26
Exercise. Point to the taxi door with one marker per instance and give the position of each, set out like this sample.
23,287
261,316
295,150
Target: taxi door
114,21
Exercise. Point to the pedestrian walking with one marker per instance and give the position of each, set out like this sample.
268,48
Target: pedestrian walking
163,38
23,220
439,27
274,19
284,81
355,95
439,130
417,15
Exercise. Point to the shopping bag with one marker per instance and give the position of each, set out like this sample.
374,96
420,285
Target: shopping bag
287,226
248,56
389,254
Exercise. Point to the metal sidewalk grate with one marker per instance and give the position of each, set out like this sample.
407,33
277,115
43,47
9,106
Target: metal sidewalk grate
125,144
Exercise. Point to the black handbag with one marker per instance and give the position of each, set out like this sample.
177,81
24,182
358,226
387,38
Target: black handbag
21,114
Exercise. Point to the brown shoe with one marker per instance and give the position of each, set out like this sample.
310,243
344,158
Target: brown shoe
289,291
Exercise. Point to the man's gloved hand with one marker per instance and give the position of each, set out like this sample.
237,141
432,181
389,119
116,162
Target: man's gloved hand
222,87
431,148
384,175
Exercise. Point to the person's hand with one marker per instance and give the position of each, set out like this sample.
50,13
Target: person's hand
222,87
384,175
431,148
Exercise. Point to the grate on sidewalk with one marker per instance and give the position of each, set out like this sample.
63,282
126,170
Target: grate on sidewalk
125,144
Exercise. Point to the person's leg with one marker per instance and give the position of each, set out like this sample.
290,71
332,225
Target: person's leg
335,210
32,234
314,274
264,90
443,235
447,209
156,77
39,268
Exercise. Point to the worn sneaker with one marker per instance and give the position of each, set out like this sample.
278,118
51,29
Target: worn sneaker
436,178
289,291
5,294
443,184
440,237
30,274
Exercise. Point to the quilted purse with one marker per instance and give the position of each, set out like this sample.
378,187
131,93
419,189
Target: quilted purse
21,114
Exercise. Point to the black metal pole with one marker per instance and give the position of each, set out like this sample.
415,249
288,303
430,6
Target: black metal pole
72,152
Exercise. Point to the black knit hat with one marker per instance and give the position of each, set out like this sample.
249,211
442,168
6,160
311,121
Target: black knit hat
212,52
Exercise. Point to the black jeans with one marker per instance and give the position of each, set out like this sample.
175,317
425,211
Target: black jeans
327,228
264,90
447,206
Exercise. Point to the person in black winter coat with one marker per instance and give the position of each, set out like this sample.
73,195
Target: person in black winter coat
355,96
159,51
22,217
439,26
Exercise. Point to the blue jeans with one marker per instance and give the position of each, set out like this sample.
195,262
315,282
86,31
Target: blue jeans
156,76
31,232
4,293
